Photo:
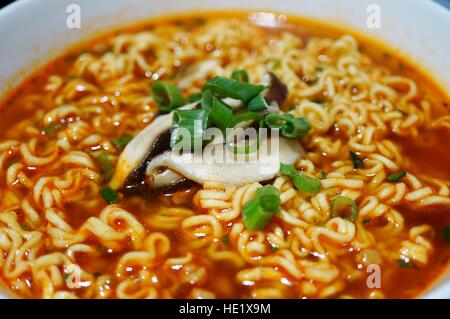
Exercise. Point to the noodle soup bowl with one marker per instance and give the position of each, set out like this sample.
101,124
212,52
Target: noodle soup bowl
35,32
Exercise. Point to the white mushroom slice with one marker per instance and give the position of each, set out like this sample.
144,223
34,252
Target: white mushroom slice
237,171
166,178
139,146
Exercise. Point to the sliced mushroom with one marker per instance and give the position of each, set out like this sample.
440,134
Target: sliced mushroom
277,91
165,178
238,170
147,163
139,151
136,183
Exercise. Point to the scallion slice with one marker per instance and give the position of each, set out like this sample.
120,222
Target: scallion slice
51,129
109,195
258,104
240,75
290,126
275,121
344,207
406,264
218,112
106,168
194,97
235,89
357,161
446,233
245,117
188,123
295,126
397,176
226,239
301,181
258,212
167,96
122,141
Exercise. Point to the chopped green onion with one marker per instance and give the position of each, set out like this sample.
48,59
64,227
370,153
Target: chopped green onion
406,264
318,101
53,128
357,161
192,122
258,212
106,168
290,126
245,117
366,221
240,75
275,121
258,104
235,89
226,239
167,96
207,100
194,97
340,203
218,112
301,181
122,141
397,176
109,195
446,233
273,248
295,126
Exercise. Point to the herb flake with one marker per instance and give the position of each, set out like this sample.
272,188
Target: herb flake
122,141
357,161
226,239
446,233
406,264
396,177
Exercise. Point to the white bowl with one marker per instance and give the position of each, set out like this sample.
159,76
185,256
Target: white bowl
34,32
